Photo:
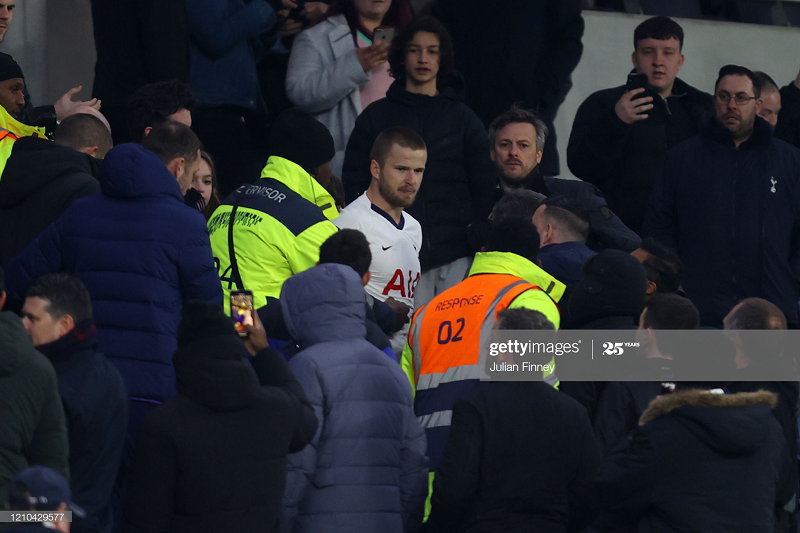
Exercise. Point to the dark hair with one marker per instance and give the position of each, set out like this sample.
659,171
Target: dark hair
213,202
569,216
335,188
19,497
154,103
736,70
670,311
663,266
400,136
660,28
518,204
170,140
397,51
518,115
759,314
523,318
400,13
81,131
766,81
347,247
66,295
517,236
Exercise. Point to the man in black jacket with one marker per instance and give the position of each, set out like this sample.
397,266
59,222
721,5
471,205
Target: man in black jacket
788,127
488,478
214,458
516,51
517,139
42,178
58,316
620,136
458,184
729,203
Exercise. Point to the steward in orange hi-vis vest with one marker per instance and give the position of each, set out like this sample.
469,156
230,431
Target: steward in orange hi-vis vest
441,357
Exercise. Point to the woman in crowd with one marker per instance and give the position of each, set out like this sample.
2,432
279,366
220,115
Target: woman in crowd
335,69
205,183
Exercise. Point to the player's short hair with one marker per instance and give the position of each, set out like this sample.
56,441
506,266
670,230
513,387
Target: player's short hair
737,70
153,104
347,247
659,28
519,115
767,83
170,140
400,136
663,266
517,236
66,295
670,311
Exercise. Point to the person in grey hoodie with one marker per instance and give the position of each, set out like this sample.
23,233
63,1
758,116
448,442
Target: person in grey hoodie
366,468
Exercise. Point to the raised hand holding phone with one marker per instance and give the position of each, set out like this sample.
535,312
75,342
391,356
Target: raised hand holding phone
256,339
632,106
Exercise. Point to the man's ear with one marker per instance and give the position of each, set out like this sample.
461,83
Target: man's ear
375,169
176,166
539,155
493,154
147,131
89,150
65,324
652,288
3,297
366,277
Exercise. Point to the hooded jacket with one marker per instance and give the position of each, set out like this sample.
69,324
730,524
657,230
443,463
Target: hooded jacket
213,458
40,181
31,414
699,462
624,160
788,127
733,216
459,180
365,469
141,253
280,223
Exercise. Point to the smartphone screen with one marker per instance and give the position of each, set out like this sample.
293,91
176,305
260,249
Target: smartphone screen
384,35
242,311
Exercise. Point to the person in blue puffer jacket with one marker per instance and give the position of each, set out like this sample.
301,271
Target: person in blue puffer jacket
365,469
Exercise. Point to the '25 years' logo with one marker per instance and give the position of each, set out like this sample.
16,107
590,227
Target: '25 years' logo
612,348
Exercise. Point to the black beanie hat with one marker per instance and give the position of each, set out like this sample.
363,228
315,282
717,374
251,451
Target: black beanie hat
202,320
302,139
9,69
614,284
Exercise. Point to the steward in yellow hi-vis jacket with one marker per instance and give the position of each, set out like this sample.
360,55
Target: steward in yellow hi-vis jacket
446,335
13,101
280,221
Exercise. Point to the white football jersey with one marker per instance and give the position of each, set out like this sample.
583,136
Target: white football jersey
395,249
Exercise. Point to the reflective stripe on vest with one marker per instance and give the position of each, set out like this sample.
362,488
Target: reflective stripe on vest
449,333
8,134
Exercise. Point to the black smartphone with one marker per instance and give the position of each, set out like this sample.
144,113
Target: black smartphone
242,311
636,81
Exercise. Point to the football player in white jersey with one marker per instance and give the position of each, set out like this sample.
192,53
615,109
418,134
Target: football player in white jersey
398,162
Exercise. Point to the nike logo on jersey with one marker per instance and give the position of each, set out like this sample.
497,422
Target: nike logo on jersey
384,248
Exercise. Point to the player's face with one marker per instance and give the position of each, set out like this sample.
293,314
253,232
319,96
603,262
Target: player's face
401,175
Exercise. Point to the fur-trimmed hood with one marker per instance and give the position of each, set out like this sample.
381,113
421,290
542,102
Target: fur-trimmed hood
733,424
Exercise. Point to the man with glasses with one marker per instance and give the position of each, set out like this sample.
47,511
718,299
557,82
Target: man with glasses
729,203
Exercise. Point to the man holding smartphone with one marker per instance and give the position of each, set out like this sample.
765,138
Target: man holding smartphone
620,135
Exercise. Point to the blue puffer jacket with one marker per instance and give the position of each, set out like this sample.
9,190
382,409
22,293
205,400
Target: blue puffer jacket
366,468
141,253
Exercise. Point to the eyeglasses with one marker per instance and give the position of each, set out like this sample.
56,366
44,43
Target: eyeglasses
740,98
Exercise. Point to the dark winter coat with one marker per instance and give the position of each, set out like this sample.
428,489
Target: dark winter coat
31,415
459,181
365,469
624,160
41,179
213,459
700,462
96,407
520,458
733,215
622,403
141,253
563,261
788,127
516,51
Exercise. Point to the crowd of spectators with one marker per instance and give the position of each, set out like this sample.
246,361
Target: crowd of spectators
386,208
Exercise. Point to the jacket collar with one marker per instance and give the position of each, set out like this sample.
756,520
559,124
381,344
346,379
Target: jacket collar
762,134
664,405
340,37
515,265
297,179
